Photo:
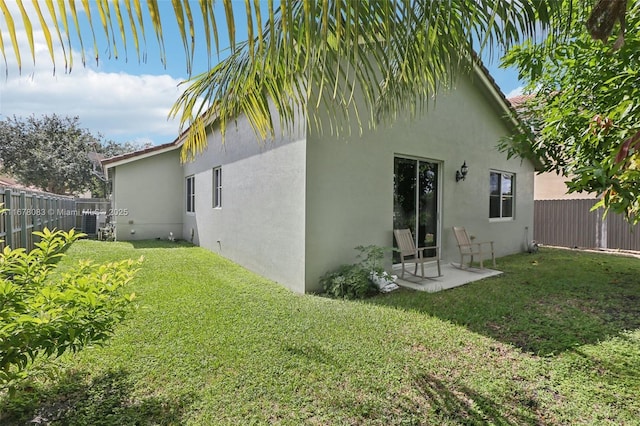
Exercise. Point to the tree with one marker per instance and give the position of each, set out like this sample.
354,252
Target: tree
43,315
53,153
301,53
585,114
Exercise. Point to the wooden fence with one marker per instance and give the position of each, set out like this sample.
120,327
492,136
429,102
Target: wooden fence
571,223
29,211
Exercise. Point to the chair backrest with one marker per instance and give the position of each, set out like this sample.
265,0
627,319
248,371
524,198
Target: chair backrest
406,245
464,242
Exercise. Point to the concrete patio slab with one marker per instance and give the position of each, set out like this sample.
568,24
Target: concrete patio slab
452,276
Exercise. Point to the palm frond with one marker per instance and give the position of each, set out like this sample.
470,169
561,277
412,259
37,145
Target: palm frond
394,55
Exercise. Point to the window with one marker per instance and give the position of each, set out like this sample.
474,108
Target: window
501,195
191,194
217,187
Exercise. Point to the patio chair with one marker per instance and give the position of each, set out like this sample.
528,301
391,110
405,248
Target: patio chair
471,249
409,253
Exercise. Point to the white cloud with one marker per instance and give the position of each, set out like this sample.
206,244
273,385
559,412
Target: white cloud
120,106
117,105
515,92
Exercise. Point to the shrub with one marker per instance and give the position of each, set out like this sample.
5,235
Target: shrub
354,281
43,314
347,282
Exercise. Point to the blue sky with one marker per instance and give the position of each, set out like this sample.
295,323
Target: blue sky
123,100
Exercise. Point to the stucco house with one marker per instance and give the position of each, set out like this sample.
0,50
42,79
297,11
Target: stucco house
293,208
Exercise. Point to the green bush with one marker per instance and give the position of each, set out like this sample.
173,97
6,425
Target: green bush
347,282
45,314
354,281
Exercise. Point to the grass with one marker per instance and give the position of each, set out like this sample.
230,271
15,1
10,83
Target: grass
554,340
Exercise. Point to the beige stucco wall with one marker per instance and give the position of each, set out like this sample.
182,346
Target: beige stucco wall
295,208
148,197
550,186
350,181
261,222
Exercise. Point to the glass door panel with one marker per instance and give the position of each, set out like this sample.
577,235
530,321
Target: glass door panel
415,200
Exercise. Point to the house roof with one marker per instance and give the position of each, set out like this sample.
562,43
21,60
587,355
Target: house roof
7,181
508,107
142,153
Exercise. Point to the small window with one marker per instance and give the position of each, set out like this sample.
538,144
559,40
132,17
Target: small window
217,187
501,196
191,194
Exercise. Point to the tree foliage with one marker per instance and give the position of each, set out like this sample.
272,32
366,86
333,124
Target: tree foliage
53,153
584,113
45,314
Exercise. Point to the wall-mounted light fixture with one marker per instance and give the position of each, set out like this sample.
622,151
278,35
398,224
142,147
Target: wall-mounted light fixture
462,173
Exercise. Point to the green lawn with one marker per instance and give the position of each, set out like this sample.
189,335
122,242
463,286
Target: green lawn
554,340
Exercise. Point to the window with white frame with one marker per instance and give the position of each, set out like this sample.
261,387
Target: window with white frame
217,187
191,194
501,196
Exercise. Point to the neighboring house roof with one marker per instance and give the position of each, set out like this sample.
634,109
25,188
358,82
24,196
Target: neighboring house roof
480,70
517,101
9,182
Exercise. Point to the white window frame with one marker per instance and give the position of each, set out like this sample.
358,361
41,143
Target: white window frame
190,191
502,197
217,187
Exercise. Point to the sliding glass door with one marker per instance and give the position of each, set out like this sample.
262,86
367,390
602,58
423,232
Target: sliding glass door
415,199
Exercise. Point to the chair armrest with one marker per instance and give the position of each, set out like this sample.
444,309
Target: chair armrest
482,242
421,249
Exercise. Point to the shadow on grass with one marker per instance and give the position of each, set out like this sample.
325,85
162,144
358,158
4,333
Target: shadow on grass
544,304
312,352
465,406
151,244
106,400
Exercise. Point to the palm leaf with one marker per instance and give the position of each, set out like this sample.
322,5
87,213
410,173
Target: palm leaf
87,10
12,33
28,29
138,9
123,35
4,56
395,54
182,27
134,27
54,18
154,12
65,23
74,15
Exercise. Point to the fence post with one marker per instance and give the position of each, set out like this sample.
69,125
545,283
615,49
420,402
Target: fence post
41,212
23,219
56,207
8,218
50,211
604,226
73,213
